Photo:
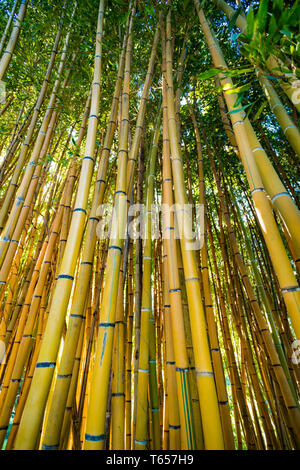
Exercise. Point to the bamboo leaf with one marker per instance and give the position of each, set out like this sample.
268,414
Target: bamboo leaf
286,32
278,4
209,74
234,73
250,23
234,111
272,26
239,100
239,89
260,110
261,17
233,19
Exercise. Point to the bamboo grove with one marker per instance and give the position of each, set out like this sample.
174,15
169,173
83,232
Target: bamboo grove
149,225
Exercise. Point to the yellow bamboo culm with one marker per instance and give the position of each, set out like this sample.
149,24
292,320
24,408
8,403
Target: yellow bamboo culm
149,249
56,413
34,409
7,54
95,427
271,62
282,266
187,432
212,429
244,137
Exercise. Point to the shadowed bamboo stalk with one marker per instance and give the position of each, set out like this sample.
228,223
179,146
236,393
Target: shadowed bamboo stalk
261,321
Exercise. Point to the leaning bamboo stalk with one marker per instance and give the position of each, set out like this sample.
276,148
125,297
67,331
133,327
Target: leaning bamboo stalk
19,362
8,53
28,139
8,24
281,199
38,150
265,301
29,374
27,334
272,62
261,321
287,125
26,192
288,283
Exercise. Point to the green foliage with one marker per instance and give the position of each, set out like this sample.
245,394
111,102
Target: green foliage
273,30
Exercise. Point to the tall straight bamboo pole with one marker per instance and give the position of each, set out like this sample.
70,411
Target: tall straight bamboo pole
212,429
212,327
141,436
34,408
187,431
172,424
95,427
51,438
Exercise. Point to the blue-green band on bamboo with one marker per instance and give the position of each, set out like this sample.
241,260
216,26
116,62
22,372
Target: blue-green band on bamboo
88,158
53,447
41,365
141,443
115,247
181,369
95,437
79,209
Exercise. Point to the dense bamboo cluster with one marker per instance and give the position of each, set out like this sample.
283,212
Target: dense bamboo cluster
174,322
